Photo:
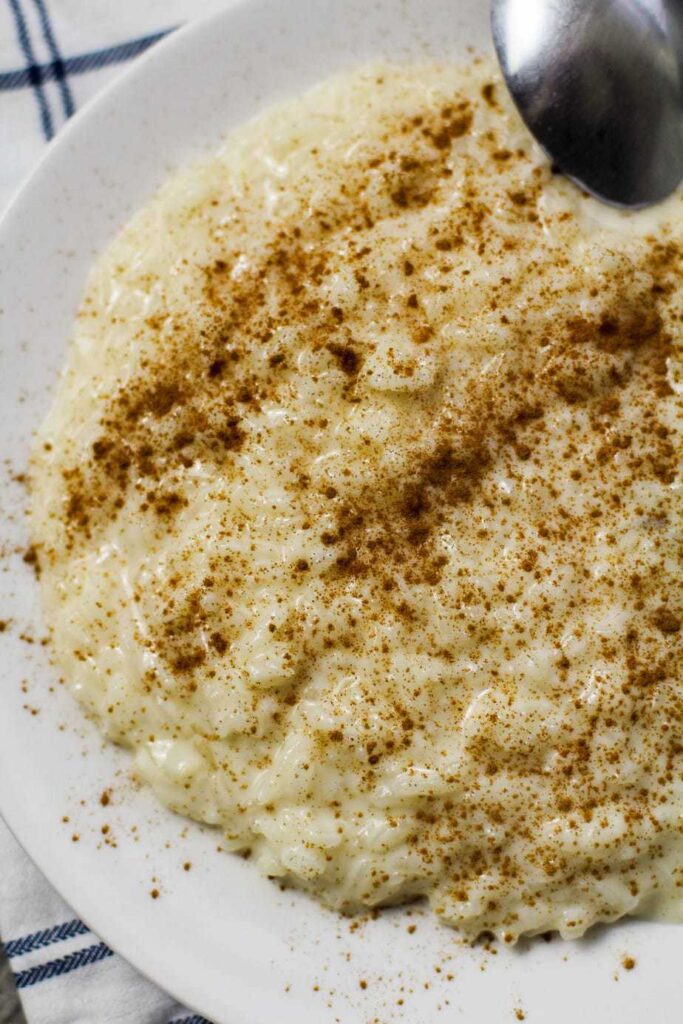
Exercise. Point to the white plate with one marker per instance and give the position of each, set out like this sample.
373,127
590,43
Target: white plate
221,939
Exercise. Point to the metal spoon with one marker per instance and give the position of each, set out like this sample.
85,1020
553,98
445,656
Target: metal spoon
599,83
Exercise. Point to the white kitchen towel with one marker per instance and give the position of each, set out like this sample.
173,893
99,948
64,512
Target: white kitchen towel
55,55
64,973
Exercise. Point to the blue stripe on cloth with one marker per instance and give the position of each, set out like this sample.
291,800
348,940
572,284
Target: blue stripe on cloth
22,77
194,1019
57,62
33,71
46,937
63,965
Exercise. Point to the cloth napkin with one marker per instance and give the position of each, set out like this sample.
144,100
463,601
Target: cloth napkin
54,56
64,973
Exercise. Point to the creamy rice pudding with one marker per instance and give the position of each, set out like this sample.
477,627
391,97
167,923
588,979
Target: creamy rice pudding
358,517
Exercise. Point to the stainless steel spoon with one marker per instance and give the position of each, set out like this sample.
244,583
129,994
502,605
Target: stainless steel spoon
599,83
